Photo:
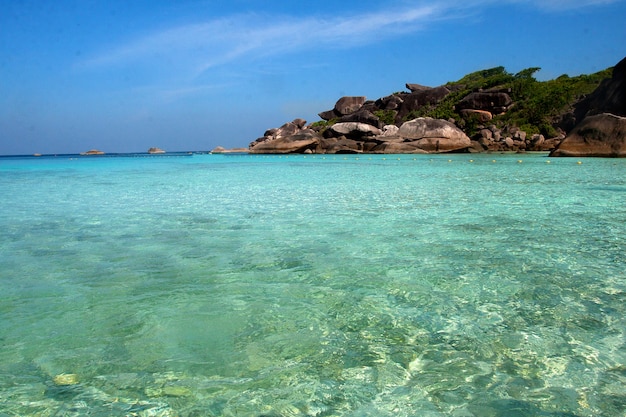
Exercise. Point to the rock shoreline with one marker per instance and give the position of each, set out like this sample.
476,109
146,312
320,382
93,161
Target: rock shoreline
355,128
358,125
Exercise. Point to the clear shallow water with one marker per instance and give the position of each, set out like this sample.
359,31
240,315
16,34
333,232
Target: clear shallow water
313,286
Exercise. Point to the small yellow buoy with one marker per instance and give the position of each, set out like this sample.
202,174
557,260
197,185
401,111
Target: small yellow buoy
519,161
579,162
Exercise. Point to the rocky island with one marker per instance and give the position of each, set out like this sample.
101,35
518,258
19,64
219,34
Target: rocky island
489,110
92,152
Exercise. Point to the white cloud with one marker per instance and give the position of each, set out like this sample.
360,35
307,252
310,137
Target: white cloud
562,5
186,52
197,47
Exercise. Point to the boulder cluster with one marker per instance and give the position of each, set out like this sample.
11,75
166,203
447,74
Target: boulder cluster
420,135
512,139
357,125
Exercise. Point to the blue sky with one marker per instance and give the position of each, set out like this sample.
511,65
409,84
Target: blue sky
122,76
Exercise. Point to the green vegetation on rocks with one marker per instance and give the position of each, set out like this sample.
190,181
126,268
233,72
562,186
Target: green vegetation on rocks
539,106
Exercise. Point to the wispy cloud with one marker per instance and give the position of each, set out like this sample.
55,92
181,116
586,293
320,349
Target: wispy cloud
196,48
187,52
563,5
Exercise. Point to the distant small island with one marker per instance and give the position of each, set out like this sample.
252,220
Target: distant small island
485,111
93,152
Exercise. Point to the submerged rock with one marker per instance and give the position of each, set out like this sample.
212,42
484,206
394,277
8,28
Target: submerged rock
65,379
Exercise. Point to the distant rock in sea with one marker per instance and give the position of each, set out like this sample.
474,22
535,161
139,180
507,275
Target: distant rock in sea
220,149
93,152
155,150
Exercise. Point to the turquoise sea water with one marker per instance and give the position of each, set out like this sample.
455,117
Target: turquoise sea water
370,285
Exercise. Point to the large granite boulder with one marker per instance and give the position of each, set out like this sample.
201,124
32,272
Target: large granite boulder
355,129
419,98
390,130
434,135
481,116
609,97
398,147
299,122
288,129
280,140
601,135
328,115
363,116
297,143
391,102
412,87
344,106
347,105
340,145
494,102
433,95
